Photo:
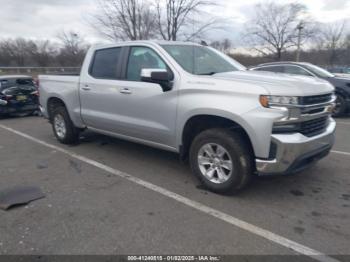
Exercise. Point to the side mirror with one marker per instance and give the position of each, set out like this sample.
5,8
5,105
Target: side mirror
158,76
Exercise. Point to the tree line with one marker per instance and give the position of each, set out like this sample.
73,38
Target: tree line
67,50
273,32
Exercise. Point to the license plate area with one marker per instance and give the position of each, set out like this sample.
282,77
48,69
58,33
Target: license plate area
21,98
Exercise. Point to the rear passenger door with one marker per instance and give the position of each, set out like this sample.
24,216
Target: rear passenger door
99,90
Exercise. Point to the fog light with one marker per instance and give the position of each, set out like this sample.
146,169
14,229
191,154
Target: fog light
330,108
3,102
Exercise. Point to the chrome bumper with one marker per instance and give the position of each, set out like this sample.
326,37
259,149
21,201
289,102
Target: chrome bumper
295,152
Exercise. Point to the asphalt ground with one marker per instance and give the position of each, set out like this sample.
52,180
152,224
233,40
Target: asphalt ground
106,196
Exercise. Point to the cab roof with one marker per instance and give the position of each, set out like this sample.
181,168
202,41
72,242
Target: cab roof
283,63
144,42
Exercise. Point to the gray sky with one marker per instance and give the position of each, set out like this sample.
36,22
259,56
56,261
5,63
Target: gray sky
42,19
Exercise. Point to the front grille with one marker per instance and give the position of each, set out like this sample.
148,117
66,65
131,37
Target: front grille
311,100
312,111
314,127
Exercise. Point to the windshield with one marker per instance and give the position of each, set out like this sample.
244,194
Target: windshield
318,71
201,60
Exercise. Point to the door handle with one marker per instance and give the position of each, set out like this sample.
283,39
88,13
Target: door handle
86,88
126,91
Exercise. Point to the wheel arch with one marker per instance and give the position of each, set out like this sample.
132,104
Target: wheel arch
53,102
200,122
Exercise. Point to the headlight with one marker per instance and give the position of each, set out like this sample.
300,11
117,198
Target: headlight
267,101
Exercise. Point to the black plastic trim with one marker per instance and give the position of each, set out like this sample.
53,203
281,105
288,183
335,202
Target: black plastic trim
303,162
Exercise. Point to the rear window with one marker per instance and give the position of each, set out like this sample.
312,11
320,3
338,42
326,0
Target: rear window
28,81
6,83
105,63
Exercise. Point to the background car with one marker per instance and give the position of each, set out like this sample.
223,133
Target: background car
18,95
340,71
341,84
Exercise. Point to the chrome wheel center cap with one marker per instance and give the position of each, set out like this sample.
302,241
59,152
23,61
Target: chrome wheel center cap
217,162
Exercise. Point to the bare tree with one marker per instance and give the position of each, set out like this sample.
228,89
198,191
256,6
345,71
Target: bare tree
18,50
175,17
332,39
347,48
225,45
5,54
273,29
73,48
125,19
44,53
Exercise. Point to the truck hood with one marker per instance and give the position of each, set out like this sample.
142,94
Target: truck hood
281,84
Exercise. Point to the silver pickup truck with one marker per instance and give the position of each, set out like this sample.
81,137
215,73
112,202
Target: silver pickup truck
228,122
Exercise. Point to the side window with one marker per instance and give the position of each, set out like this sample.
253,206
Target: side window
276,69
105,63
295,70
140,58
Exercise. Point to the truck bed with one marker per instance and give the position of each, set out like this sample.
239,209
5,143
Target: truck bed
63,87
60,78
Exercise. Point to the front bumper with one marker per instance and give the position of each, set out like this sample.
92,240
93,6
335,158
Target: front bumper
295,152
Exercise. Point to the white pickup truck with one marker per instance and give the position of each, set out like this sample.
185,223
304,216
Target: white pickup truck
228,122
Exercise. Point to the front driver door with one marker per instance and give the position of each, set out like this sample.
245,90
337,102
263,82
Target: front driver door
146,112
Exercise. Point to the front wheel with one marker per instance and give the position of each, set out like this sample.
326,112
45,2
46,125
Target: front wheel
222,160
63,127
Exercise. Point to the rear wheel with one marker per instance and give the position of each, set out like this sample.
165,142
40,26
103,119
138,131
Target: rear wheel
222,160
340,106
63,127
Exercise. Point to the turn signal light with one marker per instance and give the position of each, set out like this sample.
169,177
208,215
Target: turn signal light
264,101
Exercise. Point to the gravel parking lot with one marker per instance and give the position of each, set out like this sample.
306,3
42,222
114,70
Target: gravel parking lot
107,196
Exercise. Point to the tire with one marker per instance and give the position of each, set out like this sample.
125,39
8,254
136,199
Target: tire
63,127
237,151
340,107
